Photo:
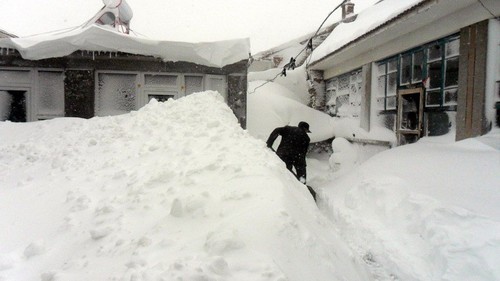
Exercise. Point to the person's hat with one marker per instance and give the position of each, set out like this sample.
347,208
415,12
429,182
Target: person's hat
304,125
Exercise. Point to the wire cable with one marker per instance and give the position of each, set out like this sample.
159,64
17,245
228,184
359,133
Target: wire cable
291,64
489,11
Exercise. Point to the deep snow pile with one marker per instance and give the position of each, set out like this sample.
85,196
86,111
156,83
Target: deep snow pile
425,211
174,191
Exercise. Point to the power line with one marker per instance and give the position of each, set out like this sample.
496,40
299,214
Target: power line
489,11
309,45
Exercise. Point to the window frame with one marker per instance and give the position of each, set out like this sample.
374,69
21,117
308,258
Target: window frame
425,50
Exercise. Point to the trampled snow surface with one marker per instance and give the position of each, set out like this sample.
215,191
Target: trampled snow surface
174,191
425,211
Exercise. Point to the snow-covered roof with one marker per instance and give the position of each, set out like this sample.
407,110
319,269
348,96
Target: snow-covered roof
4,33
397,21
100,38
366,21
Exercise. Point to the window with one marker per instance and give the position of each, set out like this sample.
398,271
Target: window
116,93
387,79
435,63
411,67
160,80
418,67
442,72
344,94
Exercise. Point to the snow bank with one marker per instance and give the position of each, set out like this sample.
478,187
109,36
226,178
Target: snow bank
99,38
174,191
269,107
284,102
425,211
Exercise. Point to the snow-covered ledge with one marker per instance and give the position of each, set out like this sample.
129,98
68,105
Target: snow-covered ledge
100,38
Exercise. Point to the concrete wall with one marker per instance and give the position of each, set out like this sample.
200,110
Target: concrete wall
81,67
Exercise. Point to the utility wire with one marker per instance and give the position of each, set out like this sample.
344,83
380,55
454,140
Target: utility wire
489,11
291,64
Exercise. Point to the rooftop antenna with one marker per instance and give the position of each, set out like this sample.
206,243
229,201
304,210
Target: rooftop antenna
115,13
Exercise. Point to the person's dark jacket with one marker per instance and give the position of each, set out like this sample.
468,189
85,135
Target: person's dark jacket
294,143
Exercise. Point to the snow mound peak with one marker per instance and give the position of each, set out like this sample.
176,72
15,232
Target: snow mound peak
174,191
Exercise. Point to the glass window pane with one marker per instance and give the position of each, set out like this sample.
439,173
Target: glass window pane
160,80
418,62
435,52
392,83
50,98
405,69
453,48
434,72
392,65
343,85
116,94
391,102
451,72
433,98
194,84
450,96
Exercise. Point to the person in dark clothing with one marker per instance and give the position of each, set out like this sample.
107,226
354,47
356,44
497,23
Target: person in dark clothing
293,147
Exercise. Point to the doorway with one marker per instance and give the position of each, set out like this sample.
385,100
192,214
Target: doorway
13,105
410,115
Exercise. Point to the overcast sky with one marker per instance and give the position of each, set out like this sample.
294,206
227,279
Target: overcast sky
267,23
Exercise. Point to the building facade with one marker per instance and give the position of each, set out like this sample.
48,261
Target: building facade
431,68
94,71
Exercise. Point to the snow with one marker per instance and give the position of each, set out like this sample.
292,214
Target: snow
424,211
284,102
178,191
99,38
366,21
174,191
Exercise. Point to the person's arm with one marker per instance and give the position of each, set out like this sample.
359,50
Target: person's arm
273,136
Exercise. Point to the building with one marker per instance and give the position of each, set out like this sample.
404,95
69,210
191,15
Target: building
96,70
419,67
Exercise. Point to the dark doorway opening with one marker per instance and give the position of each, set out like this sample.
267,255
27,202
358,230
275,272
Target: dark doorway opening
13,106
410,114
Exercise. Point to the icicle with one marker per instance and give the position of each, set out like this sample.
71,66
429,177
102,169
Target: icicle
93,55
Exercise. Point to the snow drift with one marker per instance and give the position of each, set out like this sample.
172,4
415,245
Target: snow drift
174,191
425,211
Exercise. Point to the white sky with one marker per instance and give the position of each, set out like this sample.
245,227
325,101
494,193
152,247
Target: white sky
267,23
